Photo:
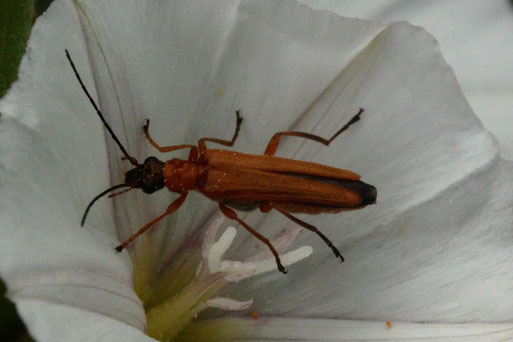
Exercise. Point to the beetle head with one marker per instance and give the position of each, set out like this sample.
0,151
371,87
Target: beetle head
147,176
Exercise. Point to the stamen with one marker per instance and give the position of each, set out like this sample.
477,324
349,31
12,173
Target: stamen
219,248
261,262
210,234
236,270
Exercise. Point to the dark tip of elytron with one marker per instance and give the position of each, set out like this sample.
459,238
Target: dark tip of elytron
118,249
369,195
367,192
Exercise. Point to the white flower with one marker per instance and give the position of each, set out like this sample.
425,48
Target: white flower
436,248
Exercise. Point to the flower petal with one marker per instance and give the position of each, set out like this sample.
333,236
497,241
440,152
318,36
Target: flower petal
293,329
45,254
475,41
64,323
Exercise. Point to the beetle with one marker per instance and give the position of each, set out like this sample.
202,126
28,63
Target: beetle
243,181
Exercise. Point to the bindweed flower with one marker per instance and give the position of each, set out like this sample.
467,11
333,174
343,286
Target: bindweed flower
431,258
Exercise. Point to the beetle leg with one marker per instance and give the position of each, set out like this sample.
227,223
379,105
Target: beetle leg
228,212
275,140
201,142
171,209
309,227
162,149
193,154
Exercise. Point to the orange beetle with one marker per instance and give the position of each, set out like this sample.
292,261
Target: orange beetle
244,181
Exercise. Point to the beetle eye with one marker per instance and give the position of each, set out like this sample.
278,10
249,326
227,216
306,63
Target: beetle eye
151,160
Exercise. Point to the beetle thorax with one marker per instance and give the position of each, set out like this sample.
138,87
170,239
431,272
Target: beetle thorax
181,175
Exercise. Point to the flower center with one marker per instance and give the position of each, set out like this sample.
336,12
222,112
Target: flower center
175,297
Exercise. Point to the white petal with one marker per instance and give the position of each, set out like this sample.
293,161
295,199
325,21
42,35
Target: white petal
56,323
45,253
44,146
473,38
293,329
494,105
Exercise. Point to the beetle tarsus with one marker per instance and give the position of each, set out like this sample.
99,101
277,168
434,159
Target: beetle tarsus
239,118
333,248
119,248
266,207
337,253
232,215
280,267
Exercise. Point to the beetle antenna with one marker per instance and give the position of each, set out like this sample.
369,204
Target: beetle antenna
114,194
98,197
129,157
